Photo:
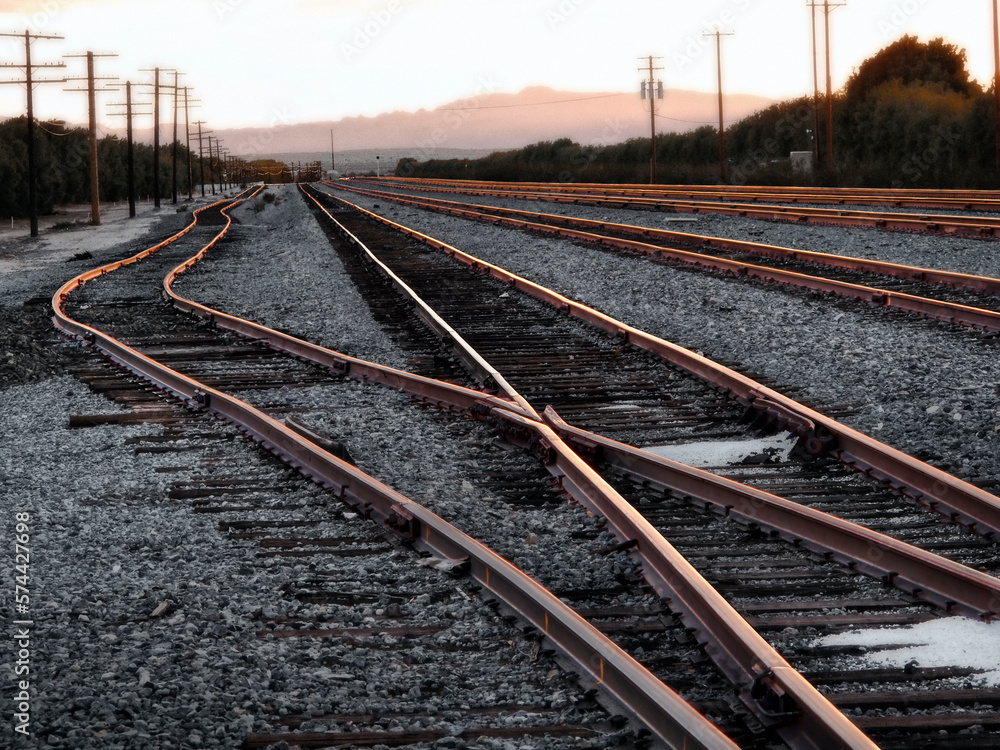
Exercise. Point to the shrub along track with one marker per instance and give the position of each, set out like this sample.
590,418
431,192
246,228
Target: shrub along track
429,279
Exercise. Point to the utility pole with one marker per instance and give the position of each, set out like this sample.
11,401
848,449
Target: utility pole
95,192
156,131
996,81
655,89
187,140
815,88
333,155
722,130
29,83
827,7
129,114
201,154
174,146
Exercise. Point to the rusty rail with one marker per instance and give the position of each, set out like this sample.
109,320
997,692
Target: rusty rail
951,225
945,583
952,279
962,200
972,317
488,374
593,655
931,487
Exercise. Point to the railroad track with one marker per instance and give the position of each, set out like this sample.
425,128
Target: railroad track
772,475
383,615
959,200
775,713
963,299
957,225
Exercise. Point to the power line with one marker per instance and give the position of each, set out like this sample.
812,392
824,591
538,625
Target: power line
29,82
95,193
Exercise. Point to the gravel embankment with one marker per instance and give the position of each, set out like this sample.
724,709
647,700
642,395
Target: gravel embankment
108,547
924,387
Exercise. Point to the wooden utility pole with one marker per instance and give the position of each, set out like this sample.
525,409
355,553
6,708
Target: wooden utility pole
129,114
175,145
187,140
655,89
29,82
827,7
815,89
201,154
156,130
722,129
95,190
996,81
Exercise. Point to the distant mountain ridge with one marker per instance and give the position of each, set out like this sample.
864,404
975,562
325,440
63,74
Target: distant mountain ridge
498,121
491,121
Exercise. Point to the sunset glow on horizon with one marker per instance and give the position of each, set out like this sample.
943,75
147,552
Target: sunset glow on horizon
253,63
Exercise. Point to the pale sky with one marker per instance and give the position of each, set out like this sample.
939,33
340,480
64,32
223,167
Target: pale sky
259,63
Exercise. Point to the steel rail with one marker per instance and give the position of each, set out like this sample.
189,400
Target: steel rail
597,659
764,678
777,694
742,662
950,225
952,279
947,584
965,315
938,580
964,200
928,486
472,359
942,582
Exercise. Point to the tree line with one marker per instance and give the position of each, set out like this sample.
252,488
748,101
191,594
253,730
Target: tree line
909,117
62,158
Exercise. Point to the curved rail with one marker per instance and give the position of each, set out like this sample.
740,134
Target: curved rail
487,373
973,317
950,585
952,225
931,487
595,657
768,685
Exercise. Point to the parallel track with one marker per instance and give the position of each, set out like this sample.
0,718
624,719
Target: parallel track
404,260
519,423
982,227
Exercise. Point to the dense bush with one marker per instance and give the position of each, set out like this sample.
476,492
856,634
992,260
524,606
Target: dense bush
910,116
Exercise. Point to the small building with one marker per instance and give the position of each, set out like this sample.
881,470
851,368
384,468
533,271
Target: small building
802,161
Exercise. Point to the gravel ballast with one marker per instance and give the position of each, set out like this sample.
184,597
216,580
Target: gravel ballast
107,550
927,388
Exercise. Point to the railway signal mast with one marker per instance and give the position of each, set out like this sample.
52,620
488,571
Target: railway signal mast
29,83
654,88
